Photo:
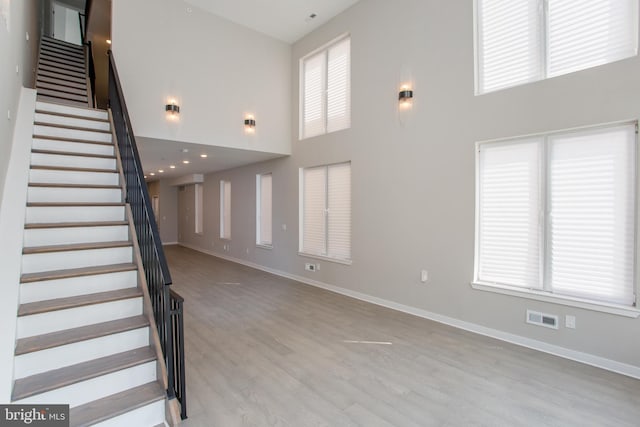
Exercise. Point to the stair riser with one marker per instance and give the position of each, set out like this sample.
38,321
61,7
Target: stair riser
57,76
71,121
149,415
97,388
53,82
72,147
37,214
60,160
43,176
71,235
59,320
53,68
64,109
35,263
65,53
71,133
83,351
44,194
62,57
74,286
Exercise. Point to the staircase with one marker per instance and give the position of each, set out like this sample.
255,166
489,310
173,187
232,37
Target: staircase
61,75
84,331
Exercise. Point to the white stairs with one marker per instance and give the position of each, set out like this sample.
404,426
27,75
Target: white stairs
83,331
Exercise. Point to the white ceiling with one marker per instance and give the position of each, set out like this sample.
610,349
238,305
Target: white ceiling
286,20
159,154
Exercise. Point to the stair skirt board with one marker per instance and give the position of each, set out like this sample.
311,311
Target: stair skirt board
49,214
72,121
74,286
62,194
43,130
97,388
63,109
152,414
77,352
73,147
54,321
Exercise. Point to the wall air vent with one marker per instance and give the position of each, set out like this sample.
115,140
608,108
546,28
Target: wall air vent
542,319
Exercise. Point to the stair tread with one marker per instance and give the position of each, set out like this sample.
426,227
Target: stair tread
72,153
73,169
78,53
76,247
37,225
54,379
83,333
66,139
72,57
55,125
77,272
72,204
61,95
46,306
53,81
74,61
62,89
60,101
45,184
72,116
116,404
56,41
57,76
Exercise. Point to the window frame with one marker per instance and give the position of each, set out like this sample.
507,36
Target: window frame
545,293
301,199
543,72
259,213
223,208
324,78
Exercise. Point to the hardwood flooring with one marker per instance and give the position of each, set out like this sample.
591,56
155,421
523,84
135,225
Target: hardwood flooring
267,351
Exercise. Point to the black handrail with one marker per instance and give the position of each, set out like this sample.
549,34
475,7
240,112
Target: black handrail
91,71
177,327
155,264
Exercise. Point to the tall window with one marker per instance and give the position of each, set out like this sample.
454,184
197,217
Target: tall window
225,209
325,211
198,208
325,92
520,41
556,214
263,209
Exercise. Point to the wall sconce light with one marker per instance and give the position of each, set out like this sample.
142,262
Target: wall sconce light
405,97
172,109
250,125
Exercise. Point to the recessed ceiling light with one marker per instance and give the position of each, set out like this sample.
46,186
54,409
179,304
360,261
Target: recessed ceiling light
152,174
204,156
172,166
161,170
184,150
145,177
108,41
186,162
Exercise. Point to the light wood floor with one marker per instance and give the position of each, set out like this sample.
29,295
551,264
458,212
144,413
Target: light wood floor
267,351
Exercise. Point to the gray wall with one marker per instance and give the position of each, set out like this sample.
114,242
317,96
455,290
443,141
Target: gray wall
168,215
413,179
15,50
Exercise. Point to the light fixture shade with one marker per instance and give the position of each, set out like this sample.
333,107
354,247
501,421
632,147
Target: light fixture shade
250,123
405,95
172,108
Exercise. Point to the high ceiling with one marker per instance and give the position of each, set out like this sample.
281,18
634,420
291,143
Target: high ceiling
286,20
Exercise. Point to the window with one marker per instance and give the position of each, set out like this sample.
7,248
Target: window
198,208
263,210
325,211
556,214
225,209
325,92
520,41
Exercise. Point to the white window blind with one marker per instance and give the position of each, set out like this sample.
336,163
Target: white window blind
591,223
509,43
198,208
520,41
326,90
509,205
225,209
326,211
264,210
568,231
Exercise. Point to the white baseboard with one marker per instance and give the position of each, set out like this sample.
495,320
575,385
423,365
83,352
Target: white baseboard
586,358
171,244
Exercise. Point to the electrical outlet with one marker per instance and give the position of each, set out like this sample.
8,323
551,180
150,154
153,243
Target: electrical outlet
570,321
310,267
424,276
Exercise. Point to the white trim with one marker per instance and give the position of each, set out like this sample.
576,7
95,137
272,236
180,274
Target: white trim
170,243
578,356
326,258
545,296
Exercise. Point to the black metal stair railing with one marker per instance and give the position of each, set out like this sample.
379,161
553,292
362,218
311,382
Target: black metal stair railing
167,305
